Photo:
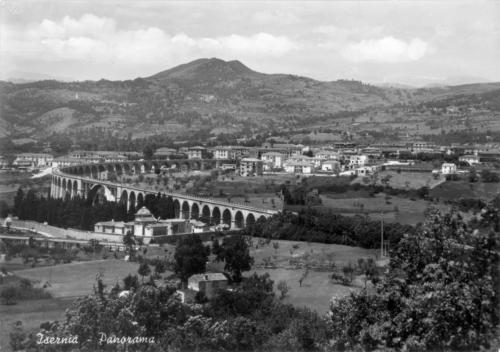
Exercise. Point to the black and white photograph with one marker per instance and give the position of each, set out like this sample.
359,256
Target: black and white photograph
237,175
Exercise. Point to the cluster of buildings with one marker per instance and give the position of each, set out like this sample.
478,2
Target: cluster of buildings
30,161
338,158
146,226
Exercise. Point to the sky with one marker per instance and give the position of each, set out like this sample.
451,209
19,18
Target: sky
408,42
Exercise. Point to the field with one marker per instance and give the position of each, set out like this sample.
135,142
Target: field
393,209
67,281
317,289
406,180
78,279
31,313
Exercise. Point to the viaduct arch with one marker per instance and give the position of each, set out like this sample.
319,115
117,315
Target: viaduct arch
91,182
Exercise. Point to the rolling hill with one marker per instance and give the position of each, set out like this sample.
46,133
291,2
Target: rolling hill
209,95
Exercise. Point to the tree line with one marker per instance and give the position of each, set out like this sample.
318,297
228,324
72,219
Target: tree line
80,213
327,227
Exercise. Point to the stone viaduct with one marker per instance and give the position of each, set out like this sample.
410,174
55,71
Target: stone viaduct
89,179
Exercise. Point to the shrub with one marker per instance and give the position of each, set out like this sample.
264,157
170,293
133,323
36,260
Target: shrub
9,295
283,288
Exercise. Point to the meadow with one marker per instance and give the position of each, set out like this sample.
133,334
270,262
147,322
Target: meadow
78,279
287,260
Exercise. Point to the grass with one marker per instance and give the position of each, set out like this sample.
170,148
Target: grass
67,281
407,180
32,313
78,279
281,256
317,289
394,209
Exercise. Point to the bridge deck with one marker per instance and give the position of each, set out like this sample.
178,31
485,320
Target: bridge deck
241,206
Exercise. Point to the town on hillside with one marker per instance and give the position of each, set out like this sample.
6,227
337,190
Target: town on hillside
271,176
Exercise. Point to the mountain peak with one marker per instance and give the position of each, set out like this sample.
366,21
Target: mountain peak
205,69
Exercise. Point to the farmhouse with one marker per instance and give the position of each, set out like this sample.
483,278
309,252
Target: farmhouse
208,283
448,168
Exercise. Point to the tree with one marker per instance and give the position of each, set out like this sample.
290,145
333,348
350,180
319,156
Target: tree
8,295
490,177
129,242
235,253
144,270
18,201
148,152
276,246
303,276
130,282
369,269
283,288
348,271
160,267
473,177
439,293
190,257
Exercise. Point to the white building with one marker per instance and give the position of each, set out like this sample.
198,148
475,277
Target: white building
469,159
33,160
146,227
272,160
64,161
357,160
448,168
114,227
230,152
365,170
196,152
298,167
327,155
251,167
222,153
198,226
330,166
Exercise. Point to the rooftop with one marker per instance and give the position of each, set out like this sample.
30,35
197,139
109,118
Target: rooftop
143,212
207,277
